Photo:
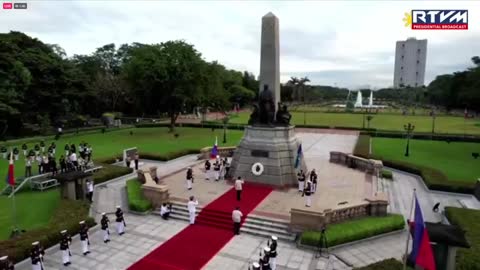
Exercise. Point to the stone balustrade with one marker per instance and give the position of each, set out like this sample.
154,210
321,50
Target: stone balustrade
303,219
222,152
366,165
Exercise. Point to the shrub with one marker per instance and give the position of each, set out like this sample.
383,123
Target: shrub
355,230
362,147
136,201
110,172
388,264
66,217
467,219
433,178
109,160
386,174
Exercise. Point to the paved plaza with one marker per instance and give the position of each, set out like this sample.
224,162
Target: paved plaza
146,232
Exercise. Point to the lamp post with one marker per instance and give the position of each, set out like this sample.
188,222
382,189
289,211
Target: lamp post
225,121
409,129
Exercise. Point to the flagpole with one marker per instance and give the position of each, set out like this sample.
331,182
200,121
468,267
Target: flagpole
408,231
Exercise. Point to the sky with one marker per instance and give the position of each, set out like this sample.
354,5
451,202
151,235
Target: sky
340,43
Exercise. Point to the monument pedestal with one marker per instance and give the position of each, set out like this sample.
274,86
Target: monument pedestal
275,148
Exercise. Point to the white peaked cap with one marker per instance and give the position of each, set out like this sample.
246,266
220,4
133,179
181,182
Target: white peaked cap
118,206
255,264
274,238
267,249
35,243
64,231
103,214
3,258
82,222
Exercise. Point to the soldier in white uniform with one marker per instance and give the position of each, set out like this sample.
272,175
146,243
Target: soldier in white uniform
104,223
65,247
301,180
189,178
307,191
5,263
36,255
255,266
192,209
273,253
84,238
120,221
208,167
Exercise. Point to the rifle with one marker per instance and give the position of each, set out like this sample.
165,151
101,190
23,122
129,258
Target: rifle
124,224
69,253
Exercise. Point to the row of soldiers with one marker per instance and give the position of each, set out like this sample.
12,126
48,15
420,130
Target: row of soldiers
267,261
309,187
37,252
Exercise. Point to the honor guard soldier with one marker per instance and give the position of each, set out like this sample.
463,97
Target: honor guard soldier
307,192
216,168
189,178
6,264
207,169
120,221
313,179
84,238
273,253
106,233
265,260
65,247
301,180
36,255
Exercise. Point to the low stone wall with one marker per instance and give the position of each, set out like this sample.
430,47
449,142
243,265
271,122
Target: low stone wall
302,219
476,191
155,193
354,162
222,152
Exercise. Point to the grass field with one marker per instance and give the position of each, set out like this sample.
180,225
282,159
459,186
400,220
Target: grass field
453,159
443,124
35,208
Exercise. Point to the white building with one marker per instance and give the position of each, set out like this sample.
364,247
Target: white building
410,59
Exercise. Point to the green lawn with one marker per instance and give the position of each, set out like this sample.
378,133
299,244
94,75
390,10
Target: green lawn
453,159
443,124
136,201
35,208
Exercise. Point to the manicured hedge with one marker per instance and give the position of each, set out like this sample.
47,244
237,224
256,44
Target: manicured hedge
362,147
387,174
66,217
170,155
110,172
468,220
424,136
136,201
355,230
433,178
388,264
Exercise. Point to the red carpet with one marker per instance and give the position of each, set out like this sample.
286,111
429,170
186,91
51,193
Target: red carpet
193,247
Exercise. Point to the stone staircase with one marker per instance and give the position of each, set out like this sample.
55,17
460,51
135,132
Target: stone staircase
255,225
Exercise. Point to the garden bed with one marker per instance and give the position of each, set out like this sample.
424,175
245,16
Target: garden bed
136,201
354,230
109,172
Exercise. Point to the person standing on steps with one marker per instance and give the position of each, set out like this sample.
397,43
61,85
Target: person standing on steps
65,247
189,178
237,218
301,180
192,208
106,233
208,166
273,253
238,187
313,179
84,238
307,191
137,157
90,190
120,221
28,166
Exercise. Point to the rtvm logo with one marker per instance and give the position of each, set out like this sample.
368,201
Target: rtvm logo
437,19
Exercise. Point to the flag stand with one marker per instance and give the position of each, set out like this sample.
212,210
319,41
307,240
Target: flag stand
15,232
405,259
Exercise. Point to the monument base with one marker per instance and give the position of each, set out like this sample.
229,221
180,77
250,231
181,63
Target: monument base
275,148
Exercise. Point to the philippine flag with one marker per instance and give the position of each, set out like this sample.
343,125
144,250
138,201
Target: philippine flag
214,149
10,175
299,156
422,254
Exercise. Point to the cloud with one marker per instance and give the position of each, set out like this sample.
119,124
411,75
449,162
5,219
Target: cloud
350,43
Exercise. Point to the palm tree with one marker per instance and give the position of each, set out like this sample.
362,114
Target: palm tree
302,85
294,83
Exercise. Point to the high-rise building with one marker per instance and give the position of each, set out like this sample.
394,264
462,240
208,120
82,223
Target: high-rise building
410,60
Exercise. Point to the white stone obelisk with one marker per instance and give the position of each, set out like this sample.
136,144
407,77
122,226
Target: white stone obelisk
370,100
359,102
270,57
